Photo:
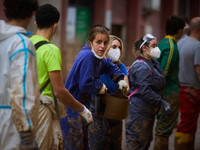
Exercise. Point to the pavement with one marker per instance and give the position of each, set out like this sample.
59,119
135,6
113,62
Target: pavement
171,138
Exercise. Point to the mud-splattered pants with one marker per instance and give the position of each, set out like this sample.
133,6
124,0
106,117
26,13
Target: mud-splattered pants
104,134
189,109
139,125
75,133
166,124
75,129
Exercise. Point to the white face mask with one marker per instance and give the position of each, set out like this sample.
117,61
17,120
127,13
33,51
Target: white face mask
155,52
114,54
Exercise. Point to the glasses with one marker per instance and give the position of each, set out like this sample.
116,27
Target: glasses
147,37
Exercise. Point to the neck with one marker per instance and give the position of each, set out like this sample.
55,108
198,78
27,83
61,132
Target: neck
175,36
19,22
46,33
146,56
195,35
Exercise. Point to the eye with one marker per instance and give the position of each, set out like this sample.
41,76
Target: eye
106,43
99,42
114,46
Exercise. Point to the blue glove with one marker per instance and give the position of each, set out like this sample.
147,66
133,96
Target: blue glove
167,108
28,142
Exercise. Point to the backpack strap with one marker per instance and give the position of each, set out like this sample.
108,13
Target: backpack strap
37,45
140,60
40,43
44,86
136,61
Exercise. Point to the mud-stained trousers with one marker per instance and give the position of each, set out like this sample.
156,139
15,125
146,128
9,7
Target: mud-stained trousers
75,129
189,109
166,124
49,135
104,134
139,127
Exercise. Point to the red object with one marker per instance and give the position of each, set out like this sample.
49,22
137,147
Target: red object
189,108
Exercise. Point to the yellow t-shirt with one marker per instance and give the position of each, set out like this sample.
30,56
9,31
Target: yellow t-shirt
48,59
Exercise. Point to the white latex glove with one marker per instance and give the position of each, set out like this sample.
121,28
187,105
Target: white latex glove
103,89
86,114
123,86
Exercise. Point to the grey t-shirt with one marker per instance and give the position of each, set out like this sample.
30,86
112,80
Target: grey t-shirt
189,51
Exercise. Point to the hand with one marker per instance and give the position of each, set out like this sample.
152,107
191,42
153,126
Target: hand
86,114
103,89
167,108
123,86
28,142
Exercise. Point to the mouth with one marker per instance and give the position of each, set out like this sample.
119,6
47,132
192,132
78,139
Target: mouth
101,52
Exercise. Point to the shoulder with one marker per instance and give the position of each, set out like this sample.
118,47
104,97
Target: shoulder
122,65
140,65
23,42
86,55
123,68
164,44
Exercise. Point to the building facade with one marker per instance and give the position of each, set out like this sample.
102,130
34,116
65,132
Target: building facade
127,19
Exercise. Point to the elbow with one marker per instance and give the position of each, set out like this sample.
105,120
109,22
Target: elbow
58,92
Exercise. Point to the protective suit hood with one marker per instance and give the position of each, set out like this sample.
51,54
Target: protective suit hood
8,30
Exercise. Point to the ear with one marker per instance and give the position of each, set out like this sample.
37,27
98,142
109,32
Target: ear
35,23
144,48
180,30
89,43
33,13
55,26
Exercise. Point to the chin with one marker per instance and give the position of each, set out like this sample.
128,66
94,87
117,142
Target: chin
101,55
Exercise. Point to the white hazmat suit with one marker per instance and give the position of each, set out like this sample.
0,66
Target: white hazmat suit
19,89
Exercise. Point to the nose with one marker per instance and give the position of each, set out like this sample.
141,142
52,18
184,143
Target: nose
102,45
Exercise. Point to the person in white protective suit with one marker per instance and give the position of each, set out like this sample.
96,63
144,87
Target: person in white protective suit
19,89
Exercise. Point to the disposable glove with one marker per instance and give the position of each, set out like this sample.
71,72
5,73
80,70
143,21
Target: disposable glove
103,89
86,114
123,86
28,142
167,108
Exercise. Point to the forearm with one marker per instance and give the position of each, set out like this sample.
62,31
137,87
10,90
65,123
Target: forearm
68,100
62,93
